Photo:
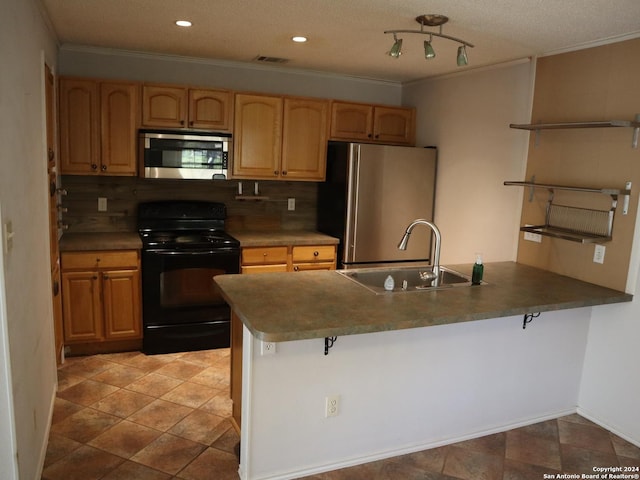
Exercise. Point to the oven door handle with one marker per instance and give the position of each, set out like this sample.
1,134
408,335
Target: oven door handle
191,252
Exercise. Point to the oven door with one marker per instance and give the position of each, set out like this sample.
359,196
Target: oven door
182,307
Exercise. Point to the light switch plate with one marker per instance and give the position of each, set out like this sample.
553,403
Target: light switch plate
291,204
598,254
102,204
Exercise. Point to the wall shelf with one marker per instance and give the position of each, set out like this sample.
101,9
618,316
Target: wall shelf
576,224
635,124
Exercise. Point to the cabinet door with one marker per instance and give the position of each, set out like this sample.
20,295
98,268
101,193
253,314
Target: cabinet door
79,127
81,307
304,139
121,297
257,137
118,126
351,121
394,125
164,106
210,109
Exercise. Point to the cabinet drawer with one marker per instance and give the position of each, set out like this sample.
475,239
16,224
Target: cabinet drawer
93,260
305,267
264,268
264,255
314,253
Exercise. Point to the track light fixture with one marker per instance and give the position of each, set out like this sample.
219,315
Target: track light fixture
430,20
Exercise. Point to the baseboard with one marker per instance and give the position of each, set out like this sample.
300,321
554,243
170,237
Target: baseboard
592,418
45,444
407,449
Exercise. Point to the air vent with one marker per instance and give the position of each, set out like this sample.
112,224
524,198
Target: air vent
262,58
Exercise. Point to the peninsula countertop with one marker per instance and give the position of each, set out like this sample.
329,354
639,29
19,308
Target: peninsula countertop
279,307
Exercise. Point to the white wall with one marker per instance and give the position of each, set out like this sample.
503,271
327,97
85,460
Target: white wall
8,460
102,63
467,117
406,390
610,389
26,43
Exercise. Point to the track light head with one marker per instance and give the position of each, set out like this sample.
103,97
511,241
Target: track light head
429,52
396,49
462,56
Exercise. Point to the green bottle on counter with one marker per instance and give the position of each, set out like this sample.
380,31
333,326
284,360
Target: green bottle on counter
478,270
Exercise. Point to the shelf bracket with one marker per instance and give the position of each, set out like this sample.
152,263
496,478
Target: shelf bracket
328,344
528,318
636,130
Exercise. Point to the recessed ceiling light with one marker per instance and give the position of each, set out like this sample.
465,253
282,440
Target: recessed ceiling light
183,23
299,39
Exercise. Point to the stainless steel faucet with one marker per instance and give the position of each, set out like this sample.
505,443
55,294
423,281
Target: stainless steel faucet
436,254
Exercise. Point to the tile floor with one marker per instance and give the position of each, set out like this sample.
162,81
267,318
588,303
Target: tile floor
128,416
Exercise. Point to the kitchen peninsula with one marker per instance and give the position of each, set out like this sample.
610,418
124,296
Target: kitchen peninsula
401,387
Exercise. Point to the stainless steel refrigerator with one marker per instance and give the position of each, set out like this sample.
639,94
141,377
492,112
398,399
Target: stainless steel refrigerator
371,195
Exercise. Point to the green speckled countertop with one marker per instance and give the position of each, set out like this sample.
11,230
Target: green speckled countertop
77,242
257,238
278,307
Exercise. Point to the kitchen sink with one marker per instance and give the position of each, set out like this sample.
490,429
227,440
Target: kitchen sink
405,279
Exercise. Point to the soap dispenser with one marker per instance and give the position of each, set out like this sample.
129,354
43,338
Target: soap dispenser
478,270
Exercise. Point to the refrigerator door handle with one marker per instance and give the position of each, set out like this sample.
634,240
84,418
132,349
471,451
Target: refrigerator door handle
352,203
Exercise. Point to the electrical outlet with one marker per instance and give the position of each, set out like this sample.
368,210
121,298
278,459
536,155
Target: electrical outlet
102,204
267,348
291,204
332,404
598,254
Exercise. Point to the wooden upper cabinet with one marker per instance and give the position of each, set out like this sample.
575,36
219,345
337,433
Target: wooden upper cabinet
164,106
280,138
180,107
394,125
118,126
79,126
351,121
257,142
98,124
304,139
210,109
372,123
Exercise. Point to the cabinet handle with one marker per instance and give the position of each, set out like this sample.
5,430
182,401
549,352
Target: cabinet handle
181,122
264,254
103,168
275,172
51,154
284,172
296,268
95,277
105,276
56,288
94,166
191,123
369,135
52,189
315,254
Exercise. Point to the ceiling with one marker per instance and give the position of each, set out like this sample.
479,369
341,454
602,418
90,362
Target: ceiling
345,36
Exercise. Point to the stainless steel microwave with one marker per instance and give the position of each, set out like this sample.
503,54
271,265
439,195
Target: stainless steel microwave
186,155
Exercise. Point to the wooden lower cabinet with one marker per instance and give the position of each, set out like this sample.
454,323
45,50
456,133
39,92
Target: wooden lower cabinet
101,300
